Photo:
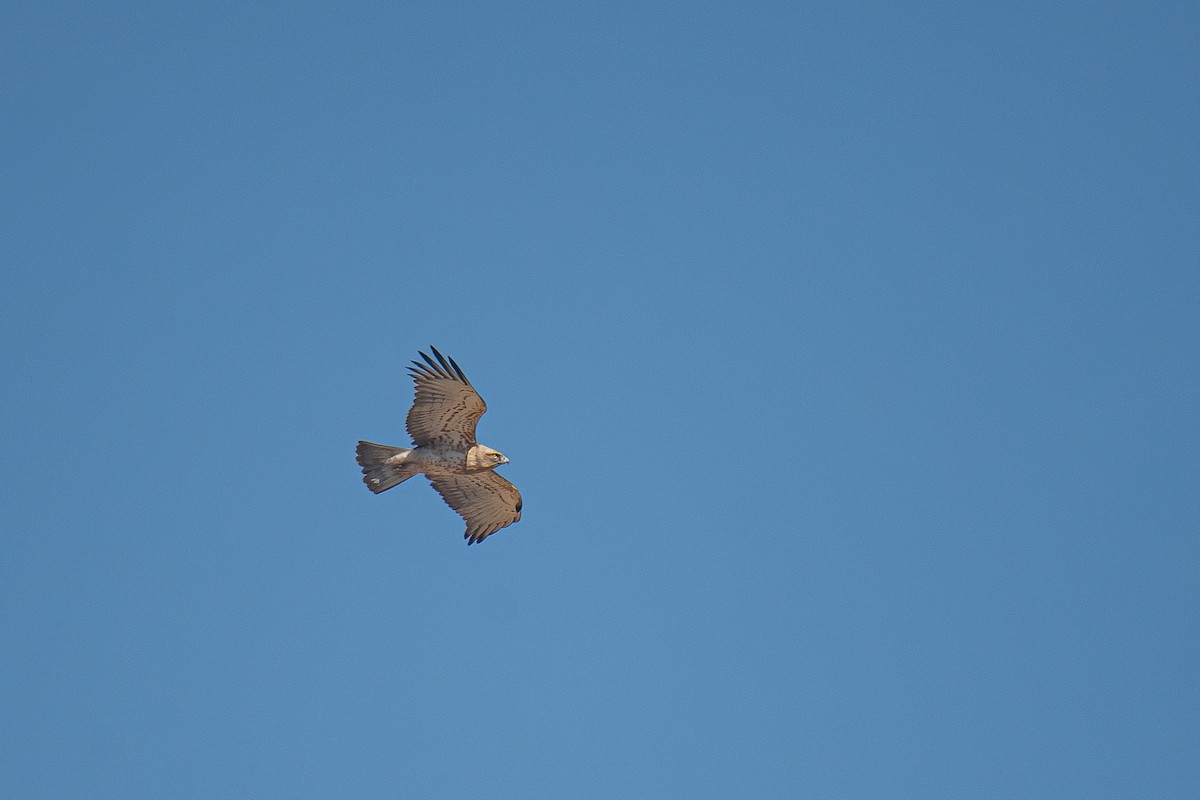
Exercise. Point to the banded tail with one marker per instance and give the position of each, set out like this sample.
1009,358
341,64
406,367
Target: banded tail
383,465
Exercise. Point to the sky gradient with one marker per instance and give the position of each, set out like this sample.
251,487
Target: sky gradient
847,356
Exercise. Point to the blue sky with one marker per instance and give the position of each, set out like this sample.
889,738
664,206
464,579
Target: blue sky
846,355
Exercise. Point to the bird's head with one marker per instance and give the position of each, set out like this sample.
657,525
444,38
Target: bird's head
482,457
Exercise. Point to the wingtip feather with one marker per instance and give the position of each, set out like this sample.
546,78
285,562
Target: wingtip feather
438,366
449,367
461,376
432,364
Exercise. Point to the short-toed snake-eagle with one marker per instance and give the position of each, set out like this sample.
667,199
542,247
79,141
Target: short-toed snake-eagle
441,423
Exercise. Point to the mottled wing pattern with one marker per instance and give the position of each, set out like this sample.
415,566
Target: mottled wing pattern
446,407
484,499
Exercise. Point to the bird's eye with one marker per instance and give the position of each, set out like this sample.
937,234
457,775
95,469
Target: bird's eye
495,456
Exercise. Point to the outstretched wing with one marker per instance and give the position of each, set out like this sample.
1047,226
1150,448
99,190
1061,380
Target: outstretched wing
484,499
446,407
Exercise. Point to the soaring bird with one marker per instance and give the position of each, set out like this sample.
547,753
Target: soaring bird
442,423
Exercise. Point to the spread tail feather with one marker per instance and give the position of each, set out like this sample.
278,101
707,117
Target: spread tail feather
383,465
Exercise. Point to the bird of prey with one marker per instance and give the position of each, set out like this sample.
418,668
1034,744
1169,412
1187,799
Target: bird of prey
441,423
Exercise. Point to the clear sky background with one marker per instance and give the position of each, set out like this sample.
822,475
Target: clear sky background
847,355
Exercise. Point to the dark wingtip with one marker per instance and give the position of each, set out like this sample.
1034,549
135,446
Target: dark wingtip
450,371
443,365
432,364
458,369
